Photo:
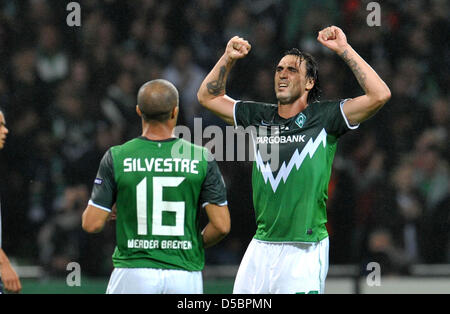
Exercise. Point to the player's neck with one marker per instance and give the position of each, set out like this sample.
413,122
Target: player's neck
157,131
289,110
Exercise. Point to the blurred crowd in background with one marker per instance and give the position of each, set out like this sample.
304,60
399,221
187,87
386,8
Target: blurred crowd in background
69,93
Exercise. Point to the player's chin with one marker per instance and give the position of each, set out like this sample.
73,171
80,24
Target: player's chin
281,95
285,99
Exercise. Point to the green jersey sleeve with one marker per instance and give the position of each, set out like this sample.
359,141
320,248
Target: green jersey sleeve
334,119
213,188
104,190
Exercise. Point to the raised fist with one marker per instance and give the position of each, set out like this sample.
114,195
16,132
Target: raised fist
333,38
237,48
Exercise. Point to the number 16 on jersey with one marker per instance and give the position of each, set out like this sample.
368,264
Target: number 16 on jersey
159,206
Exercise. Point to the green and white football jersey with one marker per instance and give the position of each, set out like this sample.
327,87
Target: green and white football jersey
157,187
292,167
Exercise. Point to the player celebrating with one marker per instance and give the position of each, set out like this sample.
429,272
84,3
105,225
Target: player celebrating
156,182
7,274
289,252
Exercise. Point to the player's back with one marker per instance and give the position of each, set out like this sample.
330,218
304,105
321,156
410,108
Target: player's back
158,191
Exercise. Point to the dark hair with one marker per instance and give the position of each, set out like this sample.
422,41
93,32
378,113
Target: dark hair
312,71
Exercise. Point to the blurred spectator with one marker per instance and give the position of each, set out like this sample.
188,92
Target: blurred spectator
432,173
306,18
84,169
440,124
263,86
59,238
404,209
238,22
136,37
71,128
157,42
341,209
439,251
263,36
47,180
28,90
187,77
204,16
80,78
119,105
52,62
383,251
98,43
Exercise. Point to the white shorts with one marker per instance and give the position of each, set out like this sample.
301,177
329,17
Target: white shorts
283,267
154,281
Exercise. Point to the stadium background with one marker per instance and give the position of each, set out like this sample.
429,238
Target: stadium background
69,93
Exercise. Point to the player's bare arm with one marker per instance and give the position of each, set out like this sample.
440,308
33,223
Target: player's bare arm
8,274
212,90
218,226
376,91
94,219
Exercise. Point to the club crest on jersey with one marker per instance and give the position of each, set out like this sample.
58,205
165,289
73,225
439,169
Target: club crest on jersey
301,119
98,181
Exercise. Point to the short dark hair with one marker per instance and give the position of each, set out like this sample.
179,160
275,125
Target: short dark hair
156,100
312,71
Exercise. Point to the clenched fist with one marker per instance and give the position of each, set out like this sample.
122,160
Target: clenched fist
333,38
237,48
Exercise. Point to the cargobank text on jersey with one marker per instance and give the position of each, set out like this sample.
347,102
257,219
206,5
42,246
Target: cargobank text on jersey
160,165
280,139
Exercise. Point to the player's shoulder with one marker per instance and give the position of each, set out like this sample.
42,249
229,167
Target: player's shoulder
199,151
123,146
190,144
256,104
252,112
323,105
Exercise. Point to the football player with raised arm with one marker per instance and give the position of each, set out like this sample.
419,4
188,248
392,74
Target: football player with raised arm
289,252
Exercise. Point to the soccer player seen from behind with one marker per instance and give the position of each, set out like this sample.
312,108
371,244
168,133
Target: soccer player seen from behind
155,183
289,252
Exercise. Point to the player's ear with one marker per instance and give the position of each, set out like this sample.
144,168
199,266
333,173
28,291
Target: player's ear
138,111
174,113
309,83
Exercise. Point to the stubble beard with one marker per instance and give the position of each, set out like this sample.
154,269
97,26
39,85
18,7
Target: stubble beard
287,100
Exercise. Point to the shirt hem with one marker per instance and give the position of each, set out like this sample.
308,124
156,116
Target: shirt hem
291,241
153,266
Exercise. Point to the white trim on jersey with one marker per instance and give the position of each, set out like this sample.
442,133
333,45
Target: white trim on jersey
221,204
234,113
351,127
98,206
